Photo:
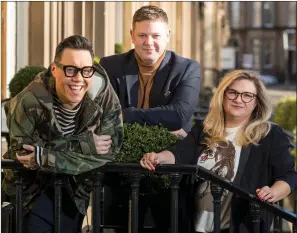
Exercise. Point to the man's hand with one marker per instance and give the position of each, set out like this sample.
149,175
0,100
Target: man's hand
179,133
28,161
102,143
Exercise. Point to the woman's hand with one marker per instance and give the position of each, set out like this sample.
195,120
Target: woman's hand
266,194
278,191
149,161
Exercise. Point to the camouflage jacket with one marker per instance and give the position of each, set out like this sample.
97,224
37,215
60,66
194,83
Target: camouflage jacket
31,120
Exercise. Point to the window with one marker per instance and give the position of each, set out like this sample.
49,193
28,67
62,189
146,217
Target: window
291,14
256,14
267,54
268,10
256,48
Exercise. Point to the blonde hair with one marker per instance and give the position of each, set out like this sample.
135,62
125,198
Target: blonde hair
258,125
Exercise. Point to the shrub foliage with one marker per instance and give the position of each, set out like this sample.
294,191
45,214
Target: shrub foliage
141,139
22,78
285,116
285,113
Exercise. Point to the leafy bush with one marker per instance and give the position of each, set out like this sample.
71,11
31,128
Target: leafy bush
141,139
118,48
22,78
96,59
285,116
285,113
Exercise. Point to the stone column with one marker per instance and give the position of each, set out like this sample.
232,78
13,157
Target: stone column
129,9
127,25
104,33
3,49
209,44
183,29
170,9
36,32
22,35
87,20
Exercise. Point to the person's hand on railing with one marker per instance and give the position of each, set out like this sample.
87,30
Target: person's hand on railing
276,192
28,161
149,161
266,194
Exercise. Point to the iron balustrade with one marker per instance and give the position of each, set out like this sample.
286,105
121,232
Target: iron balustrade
218,184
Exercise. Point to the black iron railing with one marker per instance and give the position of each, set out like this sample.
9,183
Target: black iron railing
174,172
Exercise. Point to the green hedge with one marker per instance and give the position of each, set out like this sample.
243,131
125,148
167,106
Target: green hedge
118,48
141,139
285,116
285,113
22,78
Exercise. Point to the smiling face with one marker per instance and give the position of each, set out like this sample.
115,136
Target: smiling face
71,90
150,38
236,110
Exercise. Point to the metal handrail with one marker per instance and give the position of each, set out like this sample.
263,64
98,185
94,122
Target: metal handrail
182,169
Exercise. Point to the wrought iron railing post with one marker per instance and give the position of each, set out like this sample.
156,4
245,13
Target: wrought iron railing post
58,202
255,212
19,200
295,208
278,222
96,201
216,192
135,178
295,227
174,186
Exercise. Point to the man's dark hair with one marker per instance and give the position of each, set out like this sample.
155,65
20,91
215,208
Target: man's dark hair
74,42
149,13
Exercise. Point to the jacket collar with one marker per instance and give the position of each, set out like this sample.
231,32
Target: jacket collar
132,82
160,79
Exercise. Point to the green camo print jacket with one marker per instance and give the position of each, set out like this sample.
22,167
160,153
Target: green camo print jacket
31,120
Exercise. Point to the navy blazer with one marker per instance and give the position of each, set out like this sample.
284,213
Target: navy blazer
174,94
259,166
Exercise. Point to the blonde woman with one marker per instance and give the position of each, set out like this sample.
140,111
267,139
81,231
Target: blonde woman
237,142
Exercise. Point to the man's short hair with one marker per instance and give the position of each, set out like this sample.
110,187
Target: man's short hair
74,42
149,13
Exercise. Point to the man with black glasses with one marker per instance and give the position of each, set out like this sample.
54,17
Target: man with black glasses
67,120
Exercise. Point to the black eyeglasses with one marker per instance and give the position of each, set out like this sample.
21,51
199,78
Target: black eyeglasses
246,97
71,71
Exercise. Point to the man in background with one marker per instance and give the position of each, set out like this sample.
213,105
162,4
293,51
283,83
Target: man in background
155,86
